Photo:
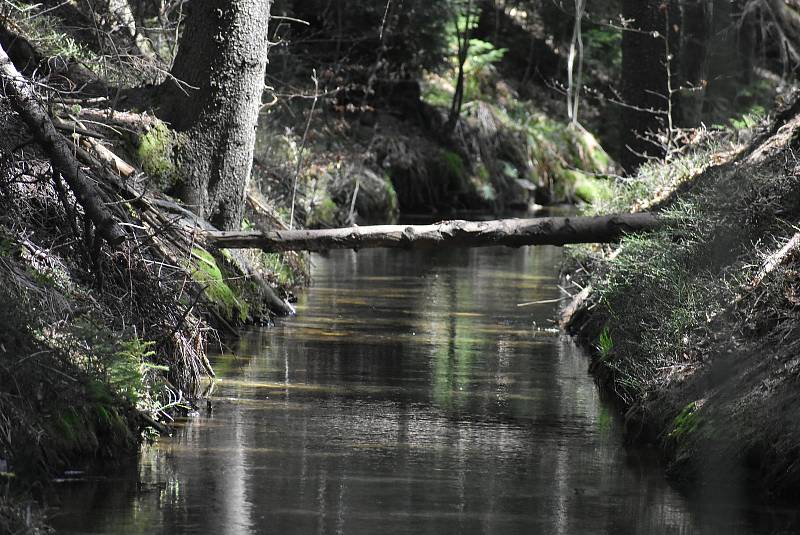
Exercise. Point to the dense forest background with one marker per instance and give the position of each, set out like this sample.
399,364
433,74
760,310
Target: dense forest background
476,94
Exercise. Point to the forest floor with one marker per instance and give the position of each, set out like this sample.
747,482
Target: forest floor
696,328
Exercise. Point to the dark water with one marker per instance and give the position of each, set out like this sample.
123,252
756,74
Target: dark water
410,395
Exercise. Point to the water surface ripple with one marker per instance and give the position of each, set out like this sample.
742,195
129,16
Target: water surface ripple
410,395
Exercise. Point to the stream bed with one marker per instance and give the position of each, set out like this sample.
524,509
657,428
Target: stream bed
410,395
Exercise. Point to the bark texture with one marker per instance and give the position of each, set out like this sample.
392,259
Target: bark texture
644,79
509,232
219,68
25,102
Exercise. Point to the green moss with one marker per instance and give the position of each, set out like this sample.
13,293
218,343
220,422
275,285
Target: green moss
591,189
72,432
207,273
88,430
525,143
587,152
155,154
324,214
453,165
482,173
111,423
391,195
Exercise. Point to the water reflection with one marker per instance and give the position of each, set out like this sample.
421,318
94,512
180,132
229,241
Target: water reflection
410,395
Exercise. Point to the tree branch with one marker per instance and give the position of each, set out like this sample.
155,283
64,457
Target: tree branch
24,101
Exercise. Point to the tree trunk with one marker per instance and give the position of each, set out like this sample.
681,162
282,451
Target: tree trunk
696,19
509,232
644,80
463,54
722,61
219,68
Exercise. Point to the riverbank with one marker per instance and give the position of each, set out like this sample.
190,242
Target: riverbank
695,329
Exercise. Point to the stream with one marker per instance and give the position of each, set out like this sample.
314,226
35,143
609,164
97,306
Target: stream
410,395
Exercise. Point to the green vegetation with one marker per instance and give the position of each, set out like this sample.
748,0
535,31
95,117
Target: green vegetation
133,375
154,154
360,127
391,195
282,271
603,48
84,385
686,422
46,32
517,140
453,166
323,214
206,272
605,345
691,318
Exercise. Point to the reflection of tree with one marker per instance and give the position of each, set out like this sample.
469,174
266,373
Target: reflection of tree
453,355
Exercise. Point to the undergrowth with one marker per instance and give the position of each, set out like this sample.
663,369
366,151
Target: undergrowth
687,330
513,140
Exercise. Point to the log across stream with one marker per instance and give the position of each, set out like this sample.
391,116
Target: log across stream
509,232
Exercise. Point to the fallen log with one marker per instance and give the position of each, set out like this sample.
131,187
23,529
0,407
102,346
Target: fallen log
509,232
25,102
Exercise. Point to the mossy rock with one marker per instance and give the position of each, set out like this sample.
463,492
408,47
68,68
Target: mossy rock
591,189
453,166
375,199
90,430
325,213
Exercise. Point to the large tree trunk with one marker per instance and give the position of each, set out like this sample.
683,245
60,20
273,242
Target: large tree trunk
219,68
510,232
644,80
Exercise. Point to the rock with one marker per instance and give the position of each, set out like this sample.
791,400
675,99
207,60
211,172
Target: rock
375,198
